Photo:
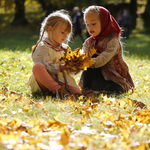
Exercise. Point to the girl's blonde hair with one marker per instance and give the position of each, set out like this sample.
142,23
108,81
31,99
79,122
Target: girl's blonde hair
55,19
91,9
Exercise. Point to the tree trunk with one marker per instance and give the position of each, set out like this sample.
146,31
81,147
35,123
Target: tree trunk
146,15
147,9
43,4
133,9
19,18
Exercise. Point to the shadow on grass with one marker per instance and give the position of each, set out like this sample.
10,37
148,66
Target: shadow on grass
18,38
22,38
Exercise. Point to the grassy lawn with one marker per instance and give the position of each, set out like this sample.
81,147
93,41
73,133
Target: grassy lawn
41,122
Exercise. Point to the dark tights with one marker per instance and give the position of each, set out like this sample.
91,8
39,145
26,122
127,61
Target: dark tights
93,79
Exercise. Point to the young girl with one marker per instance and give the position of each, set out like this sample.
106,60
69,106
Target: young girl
49,73
109,72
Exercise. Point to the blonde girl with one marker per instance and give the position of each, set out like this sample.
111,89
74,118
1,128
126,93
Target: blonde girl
49,73
110,72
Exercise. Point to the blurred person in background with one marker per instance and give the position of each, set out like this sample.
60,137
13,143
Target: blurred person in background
125,23
77,23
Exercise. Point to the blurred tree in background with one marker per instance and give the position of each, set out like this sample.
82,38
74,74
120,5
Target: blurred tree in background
50,5
19,17
146,14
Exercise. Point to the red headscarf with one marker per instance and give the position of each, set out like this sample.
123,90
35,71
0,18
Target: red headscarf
108,24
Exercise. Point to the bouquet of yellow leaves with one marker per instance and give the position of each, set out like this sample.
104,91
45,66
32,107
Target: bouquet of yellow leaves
75,60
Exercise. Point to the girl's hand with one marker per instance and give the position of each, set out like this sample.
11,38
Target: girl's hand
74,71
63,67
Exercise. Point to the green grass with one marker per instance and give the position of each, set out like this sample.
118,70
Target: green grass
112,123
138,44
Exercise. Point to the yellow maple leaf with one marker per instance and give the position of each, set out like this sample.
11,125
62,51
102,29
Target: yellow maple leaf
122,103
16,122
145,78
9,136
91,52
26,108
2,106
65,137
58,122
55,123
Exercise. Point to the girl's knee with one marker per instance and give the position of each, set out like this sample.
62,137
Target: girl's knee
37,67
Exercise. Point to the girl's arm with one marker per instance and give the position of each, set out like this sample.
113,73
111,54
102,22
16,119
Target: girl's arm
113,47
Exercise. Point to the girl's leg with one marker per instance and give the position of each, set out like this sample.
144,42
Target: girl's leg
98,80
72,89
99,83
45,80
88,78
114,87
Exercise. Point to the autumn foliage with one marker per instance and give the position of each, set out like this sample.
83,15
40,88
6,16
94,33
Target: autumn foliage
76,60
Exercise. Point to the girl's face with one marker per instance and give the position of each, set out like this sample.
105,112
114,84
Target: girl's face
93,23
57,35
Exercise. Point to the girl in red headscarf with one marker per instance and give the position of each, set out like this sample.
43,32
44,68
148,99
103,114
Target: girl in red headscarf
109,72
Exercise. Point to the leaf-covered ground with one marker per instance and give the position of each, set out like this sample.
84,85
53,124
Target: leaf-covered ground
103,121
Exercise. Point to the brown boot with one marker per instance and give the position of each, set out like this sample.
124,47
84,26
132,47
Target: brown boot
88,92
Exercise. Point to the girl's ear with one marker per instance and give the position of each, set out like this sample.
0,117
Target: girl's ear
50,28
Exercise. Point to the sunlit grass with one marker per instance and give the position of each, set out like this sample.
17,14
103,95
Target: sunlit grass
37,110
